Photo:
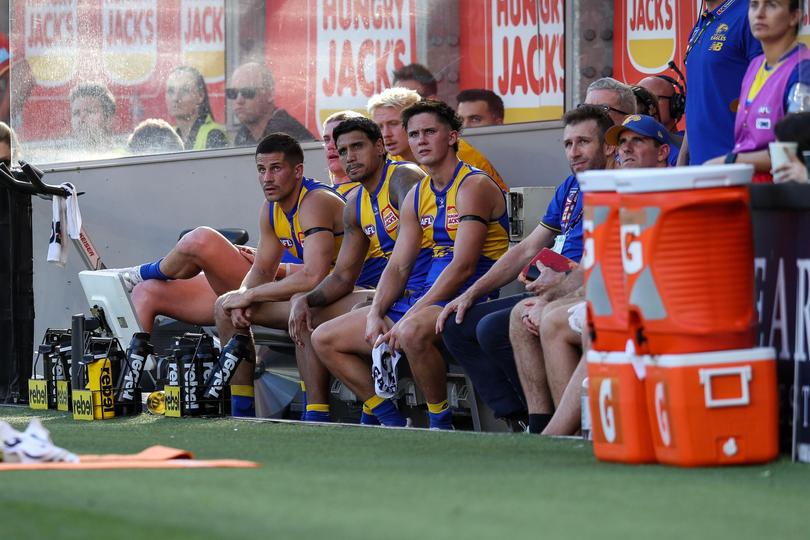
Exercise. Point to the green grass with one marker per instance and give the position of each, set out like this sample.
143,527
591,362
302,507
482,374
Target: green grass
344,482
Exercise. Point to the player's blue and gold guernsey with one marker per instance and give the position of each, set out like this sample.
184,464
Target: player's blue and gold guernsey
379,219
288,228
346,187
439,218
437,214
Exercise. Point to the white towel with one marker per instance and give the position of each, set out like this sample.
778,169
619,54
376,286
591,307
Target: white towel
66,217
384,370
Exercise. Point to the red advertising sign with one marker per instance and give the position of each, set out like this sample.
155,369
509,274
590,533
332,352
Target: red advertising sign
522,55
650,34
804,33
130,45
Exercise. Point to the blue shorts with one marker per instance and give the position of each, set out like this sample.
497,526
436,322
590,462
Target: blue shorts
406,302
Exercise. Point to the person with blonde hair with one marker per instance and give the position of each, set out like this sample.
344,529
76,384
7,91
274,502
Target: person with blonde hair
385,109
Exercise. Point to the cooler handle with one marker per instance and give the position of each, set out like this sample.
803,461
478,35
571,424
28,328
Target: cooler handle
744,373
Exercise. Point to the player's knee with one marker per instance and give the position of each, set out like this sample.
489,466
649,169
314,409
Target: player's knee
412,335
197,243
322,341
516,326
219,310
146,294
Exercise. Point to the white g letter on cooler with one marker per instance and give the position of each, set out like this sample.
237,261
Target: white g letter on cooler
661,415
631,252
606,411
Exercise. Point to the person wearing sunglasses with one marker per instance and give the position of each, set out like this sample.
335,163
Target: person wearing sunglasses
187,101
251,89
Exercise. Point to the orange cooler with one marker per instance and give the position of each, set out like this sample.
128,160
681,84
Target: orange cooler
619,421
688,257
715,408
602,261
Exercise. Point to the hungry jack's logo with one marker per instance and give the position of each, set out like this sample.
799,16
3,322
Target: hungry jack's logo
651,33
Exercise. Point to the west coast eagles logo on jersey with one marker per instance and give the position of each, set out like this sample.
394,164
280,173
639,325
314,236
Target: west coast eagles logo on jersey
426,221
451,222
390,219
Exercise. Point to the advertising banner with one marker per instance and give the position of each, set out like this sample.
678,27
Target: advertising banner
649,34
129,45
521,58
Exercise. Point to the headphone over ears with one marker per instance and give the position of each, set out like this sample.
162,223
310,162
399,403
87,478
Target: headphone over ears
677,103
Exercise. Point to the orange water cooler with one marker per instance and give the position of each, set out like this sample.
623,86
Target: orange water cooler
620,427
690,368
713,408
688,256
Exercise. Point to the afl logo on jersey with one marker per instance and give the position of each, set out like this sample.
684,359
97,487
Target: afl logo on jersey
370,230
286,242
426,221
451,222
390,218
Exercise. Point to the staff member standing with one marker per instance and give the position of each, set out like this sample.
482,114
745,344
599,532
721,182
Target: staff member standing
771,87
718,53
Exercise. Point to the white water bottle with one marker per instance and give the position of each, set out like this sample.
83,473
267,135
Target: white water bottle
586,411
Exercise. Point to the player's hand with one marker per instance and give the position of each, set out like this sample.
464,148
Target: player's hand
792,171
391,337
459,306
300,321
240,318
530,306
719,160
547,280
239,298
375,327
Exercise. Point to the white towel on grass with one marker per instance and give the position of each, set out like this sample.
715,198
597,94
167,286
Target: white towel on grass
66,217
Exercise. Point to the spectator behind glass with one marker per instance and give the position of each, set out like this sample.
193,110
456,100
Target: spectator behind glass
252,90
617,99
187,101
154,136
641,141
336,173
480,107
92,114
418,78
794,127
770,87
716,57
8,145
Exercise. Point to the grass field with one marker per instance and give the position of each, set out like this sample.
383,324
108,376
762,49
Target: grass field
350,482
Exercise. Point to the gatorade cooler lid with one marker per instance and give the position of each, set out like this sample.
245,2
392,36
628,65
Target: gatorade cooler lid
596,181
757,354
681,178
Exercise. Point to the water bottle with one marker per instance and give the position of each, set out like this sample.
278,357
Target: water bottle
800,96
586,411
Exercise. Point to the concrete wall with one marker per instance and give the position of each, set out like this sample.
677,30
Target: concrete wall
135,207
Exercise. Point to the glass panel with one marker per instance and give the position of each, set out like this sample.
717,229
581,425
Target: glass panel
89,72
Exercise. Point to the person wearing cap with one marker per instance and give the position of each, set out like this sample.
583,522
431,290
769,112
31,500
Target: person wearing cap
642,142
